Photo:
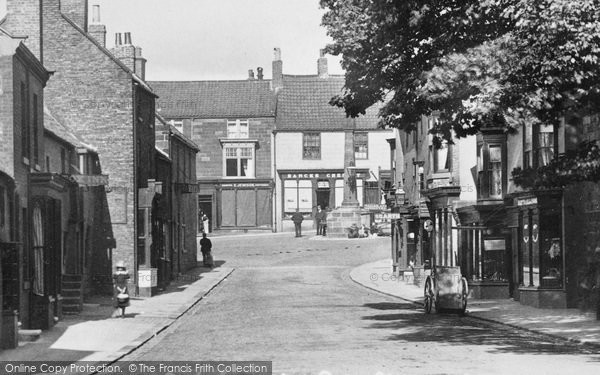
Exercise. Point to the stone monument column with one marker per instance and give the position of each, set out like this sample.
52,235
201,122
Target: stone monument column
341,218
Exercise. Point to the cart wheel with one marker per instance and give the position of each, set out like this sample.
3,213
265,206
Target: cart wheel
464,294
429,296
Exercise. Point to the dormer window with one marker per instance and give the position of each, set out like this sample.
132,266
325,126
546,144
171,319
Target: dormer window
237,129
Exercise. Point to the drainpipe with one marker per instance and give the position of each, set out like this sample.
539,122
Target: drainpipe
274,176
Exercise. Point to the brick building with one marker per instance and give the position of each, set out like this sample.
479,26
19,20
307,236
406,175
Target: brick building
25,279
310,145
233,122
177,213
101,95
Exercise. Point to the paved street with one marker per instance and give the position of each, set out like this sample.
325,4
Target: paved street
291,301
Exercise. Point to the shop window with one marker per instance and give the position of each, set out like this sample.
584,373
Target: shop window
311,146
239,161
361,146
339,192
372,192
494,268
297,194
237,129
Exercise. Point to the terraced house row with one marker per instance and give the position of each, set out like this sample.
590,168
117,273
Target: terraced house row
90,175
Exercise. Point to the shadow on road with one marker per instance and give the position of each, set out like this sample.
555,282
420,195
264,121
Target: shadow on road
411,324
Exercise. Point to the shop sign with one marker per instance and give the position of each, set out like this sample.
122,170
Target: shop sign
492,245
527,201
387,216
245,184
360,175
323,184
372,206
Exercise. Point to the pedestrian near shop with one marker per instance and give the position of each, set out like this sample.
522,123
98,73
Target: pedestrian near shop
206,249
120,290
297,218
320,221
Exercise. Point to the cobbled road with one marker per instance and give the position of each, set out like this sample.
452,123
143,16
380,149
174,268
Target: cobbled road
291,301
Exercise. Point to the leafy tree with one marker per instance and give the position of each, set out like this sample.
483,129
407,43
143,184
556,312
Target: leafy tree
478,63
387,46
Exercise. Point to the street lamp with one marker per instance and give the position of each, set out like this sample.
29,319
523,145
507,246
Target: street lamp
399,196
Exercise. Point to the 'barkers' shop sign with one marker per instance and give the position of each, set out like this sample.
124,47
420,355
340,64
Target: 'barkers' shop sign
294,176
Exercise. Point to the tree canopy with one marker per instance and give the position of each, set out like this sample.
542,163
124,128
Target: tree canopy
475,62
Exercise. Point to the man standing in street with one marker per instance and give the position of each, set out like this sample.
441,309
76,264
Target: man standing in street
297,218
320,220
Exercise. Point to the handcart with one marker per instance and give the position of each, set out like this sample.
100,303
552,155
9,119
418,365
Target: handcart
446,289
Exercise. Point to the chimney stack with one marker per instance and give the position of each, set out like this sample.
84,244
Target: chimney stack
140,64
277,82
250,74
96,29
259,73
125,51
322,65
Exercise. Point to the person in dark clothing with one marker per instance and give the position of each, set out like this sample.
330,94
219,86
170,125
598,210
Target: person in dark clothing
297,218
206,249
320,220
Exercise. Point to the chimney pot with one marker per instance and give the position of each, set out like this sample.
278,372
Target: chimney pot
259,74
118,40
322,52
276,54
322,69
250,74
96,14
127,38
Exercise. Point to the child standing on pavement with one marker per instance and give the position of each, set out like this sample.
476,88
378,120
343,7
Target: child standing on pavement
121,292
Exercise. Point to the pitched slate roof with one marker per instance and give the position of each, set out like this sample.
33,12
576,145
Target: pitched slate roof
215,99
303,104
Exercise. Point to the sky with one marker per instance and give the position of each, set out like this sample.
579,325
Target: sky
219,39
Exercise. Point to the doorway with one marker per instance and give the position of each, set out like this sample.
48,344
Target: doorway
323,198
205,208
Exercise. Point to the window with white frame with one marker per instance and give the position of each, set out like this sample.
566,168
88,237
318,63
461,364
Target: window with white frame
361,146
239,160
297,195
441,157
311,146
237,129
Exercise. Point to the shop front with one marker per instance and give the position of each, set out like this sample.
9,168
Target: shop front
535,221
483,252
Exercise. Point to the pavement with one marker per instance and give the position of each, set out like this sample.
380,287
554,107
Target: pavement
570,324
96,336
